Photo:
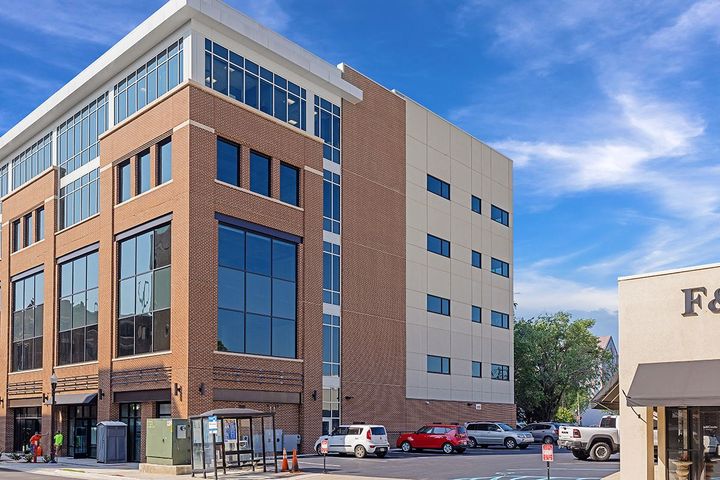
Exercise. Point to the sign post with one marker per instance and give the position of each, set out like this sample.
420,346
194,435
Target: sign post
213,430
548,456
324,451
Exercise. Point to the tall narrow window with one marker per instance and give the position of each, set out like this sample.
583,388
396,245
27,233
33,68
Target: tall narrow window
28,230
164,162
475,204
228,162
78,330
27,327
331,345
477,369
289,176
476,314
144,292
331,202
16,235
331,273
124,190
79,199
40,224
260,173
476,259
142,174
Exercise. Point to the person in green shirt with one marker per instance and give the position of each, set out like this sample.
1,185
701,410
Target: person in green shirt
58,439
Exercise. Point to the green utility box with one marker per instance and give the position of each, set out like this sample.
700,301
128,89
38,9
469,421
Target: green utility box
168,441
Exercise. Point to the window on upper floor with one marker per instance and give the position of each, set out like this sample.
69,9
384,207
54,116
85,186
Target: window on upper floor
476,314
28,230
228,162
144,292
257,293
331,345
79,199
331,202
34,160
499,267
475,204
124,181
500,215
476,259
27,322
438,187
4,180
77,137
163,171
289,184
331,273
437,364
16,235
151,81
142,172
78,325
260,171
40,224
239,78
477,369
438,245
438,305
327,127
499,319
500,372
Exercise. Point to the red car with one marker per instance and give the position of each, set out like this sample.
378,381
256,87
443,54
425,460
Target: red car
446,437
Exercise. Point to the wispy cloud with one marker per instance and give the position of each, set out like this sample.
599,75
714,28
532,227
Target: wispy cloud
701,18
269,13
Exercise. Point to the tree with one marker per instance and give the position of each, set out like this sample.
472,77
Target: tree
557,359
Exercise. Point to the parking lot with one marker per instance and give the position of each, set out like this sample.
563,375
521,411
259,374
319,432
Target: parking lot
474,464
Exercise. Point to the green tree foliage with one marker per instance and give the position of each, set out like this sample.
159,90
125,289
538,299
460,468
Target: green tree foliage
557,360
564,415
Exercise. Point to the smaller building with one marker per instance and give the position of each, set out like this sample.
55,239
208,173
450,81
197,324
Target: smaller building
669,376
592,416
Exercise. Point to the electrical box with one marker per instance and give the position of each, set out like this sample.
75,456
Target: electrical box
291,442
168,441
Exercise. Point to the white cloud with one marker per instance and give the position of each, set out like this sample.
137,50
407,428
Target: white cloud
701,17
267,12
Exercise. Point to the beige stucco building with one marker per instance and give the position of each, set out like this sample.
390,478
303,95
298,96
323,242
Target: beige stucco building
669,364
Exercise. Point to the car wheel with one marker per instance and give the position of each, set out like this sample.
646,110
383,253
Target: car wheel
360,451
447,448
510,443
523,447
600,452
580,454
460,450
548,439
380,454
472,443
406,447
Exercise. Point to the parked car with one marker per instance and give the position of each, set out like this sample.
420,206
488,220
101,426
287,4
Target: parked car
446,437
596,443
546,432
357,438
484,434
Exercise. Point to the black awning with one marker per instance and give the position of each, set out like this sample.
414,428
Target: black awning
74,399
608,397
691,383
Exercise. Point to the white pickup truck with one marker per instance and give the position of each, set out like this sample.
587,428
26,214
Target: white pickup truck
596,443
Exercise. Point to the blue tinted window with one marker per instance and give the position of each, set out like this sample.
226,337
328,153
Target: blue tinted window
91,121
258,334
476,314
477,369
79,300
259,293
331,202
476,259
289,184
284,261
438,187
124,190
327,127
164,162
143,172
499,319
500,372
475,204
438,245
436,364
331,273
500,215
331,345
258,253
228,162
499,267
260,174
34,160
437,304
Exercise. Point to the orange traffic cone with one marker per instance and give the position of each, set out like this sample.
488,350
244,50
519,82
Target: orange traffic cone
295,466
284,467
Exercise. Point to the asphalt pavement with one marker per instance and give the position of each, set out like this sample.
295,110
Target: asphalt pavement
474,464
7,474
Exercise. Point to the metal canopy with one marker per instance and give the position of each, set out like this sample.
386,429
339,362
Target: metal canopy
234,413
74,399
608,397
678,384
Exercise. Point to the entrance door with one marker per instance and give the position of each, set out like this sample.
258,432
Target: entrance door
27,423
693,439
81,435
130,415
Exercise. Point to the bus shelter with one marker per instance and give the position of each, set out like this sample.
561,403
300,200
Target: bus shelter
232,438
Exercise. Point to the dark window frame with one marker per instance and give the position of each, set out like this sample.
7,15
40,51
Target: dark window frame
437,186
499,267
444,305
88,290
160,169
255,155
286,167
476,260
238,162
499,215
434,241
476,204
479,367
445,365
139,176
122,168
478,310
500,372
499,319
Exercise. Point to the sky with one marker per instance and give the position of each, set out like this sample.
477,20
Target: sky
610,111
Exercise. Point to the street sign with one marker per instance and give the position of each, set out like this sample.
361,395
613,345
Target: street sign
547,453
212,425
324,447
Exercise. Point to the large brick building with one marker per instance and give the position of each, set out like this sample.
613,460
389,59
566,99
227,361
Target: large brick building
210,216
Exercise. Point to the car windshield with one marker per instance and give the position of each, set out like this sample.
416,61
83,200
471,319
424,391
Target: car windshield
461,430
424,430
505,427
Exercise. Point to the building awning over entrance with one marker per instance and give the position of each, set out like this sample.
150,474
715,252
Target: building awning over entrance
609,395
693,384
74,398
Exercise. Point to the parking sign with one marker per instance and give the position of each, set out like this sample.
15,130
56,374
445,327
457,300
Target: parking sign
324,447
547,453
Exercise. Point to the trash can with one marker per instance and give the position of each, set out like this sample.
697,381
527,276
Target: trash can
111,442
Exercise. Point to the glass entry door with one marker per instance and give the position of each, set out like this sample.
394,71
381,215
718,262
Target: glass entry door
27,423
81,434
693,442
130,415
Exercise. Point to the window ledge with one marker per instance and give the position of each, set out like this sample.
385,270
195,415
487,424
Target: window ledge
220,182
78,223
125,202
20,372
142,355
28,247
268,357
79,364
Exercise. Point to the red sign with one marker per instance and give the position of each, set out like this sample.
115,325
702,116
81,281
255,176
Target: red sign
324,447
547,453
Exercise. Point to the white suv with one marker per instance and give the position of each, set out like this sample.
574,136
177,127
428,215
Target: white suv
357,438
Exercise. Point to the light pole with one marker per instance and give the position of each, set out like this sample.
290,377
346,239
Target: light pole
53,386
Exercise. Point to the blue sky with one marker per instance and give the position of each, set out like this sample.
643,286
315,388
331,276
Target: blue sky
609,109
